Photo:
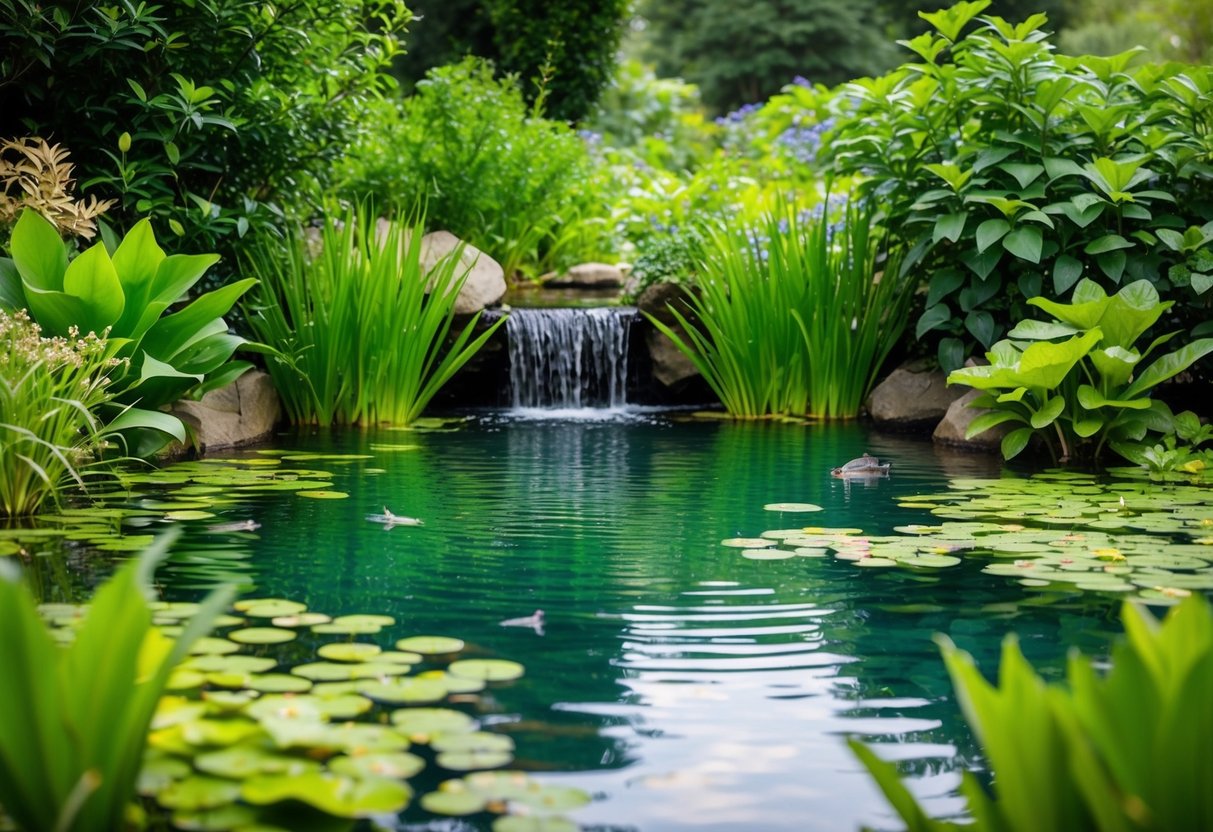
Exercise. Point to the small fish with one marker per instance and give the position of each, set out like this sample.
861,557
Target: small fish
237,526
388,519
534,621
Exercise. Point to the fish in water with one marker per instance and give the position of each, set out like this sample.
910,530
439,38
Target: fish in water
534,621
388,519
866,466
238,526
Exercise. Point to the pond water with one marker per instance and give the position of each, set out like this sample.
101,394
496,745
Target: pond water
683,685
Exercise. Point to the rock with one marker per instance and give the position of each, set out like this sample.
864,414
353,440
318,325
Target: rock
657,299
243,413
485,284
670,365
914,397
591,276
951,431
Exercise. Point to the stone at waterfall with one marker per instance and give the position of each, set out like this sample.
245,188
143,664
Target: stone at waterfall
243,413
670,366
485,284
914,398
589,276
951,431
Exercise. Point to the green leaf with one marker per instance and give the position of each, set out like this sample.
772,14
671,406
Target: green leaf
91,278
981,326
1015,441
942,284
899,797
1024,174
1025,242
933,317
949,227
12,294
171,333
990,232
1066,272
988,420
1169,366
1048,414
1092,399
1108,242
1030,330
39,254
1201,282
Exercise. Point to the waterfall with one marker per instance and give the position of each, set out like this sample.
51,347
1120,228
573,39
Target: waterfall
569,358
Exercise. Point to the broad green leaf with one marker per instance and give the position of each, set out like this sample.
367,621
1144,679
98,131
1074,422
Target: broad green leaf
136,261
934,316
1114,364
1130,312
982,327
1025,242
1030,330
1046,364
988,420
942,284
12,294
1024,174
1108,242
949,227
1048,414
172,332
1066,272
1169,366
92,278
38,251
990,232
1092,399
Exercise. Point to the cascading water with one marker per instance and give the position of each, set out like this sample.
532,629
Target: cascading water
569,358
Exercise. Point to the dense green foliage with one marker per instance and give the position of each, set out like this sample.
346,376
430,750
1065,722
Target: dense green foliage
126,297
486,167
1077,379
212,116
1015,172
48,390
77,716
562,53
1121,750
739,55
794,318
360,327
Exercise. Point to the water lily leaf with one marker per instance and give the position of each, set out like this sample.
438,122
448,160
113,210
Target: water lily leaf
214,663
220,819
473,760
533,823
422,724
543,799
303,619
208,645
268,607
235,763
767,554
323,495
792,507
277,683
292,706
324,671
189,514
398,657
333,794
262,635
747,542
454,684
455,802
430,645
158,772
404,691
490,670
400,765
199,792
349,651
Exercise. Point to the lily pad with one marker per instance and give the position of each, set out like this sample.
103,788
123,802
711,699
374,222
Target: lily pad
534,823
490,670
400,765
404,691
262,635
453,801
323,495
747,542
333,794
422,724
199,792
792,507
430,645
349,651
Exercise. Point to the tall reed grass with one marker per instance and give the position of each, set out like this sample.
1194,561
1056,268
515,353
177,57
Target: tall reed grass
49,391
360,328
794,315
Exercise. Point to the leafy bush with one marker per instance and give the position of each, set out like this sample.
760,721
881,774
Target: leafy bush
1084,391
127,298
49,388
37,175
796,317
1125,750
208,115
1015,172
487,169
360,328
77,716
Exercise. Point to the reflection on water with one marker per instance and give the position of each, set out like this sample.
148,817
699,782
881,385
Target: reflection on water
684,685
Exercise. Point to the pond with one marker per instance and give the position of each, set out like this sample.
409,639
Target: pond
680,682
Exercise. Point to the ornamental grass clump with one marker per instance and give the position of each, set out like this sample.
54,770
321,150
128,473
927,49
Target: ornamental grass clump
49,389
795,314
360,327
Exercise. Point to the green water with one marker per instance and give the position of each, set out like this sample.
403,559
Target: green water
683,685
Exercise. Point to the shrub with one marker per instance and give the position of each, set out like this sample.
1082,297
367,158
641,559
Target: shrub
360,329
37,175
796,317
1014,172
1123,750
49,388
210,116
77,716
1077,381
487,168
128,296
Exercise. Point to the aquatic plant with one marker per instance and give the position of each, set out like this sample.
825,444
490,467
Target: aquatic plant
360,328
795,315
1076,381
126,298
1117,751
76,717
49,388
